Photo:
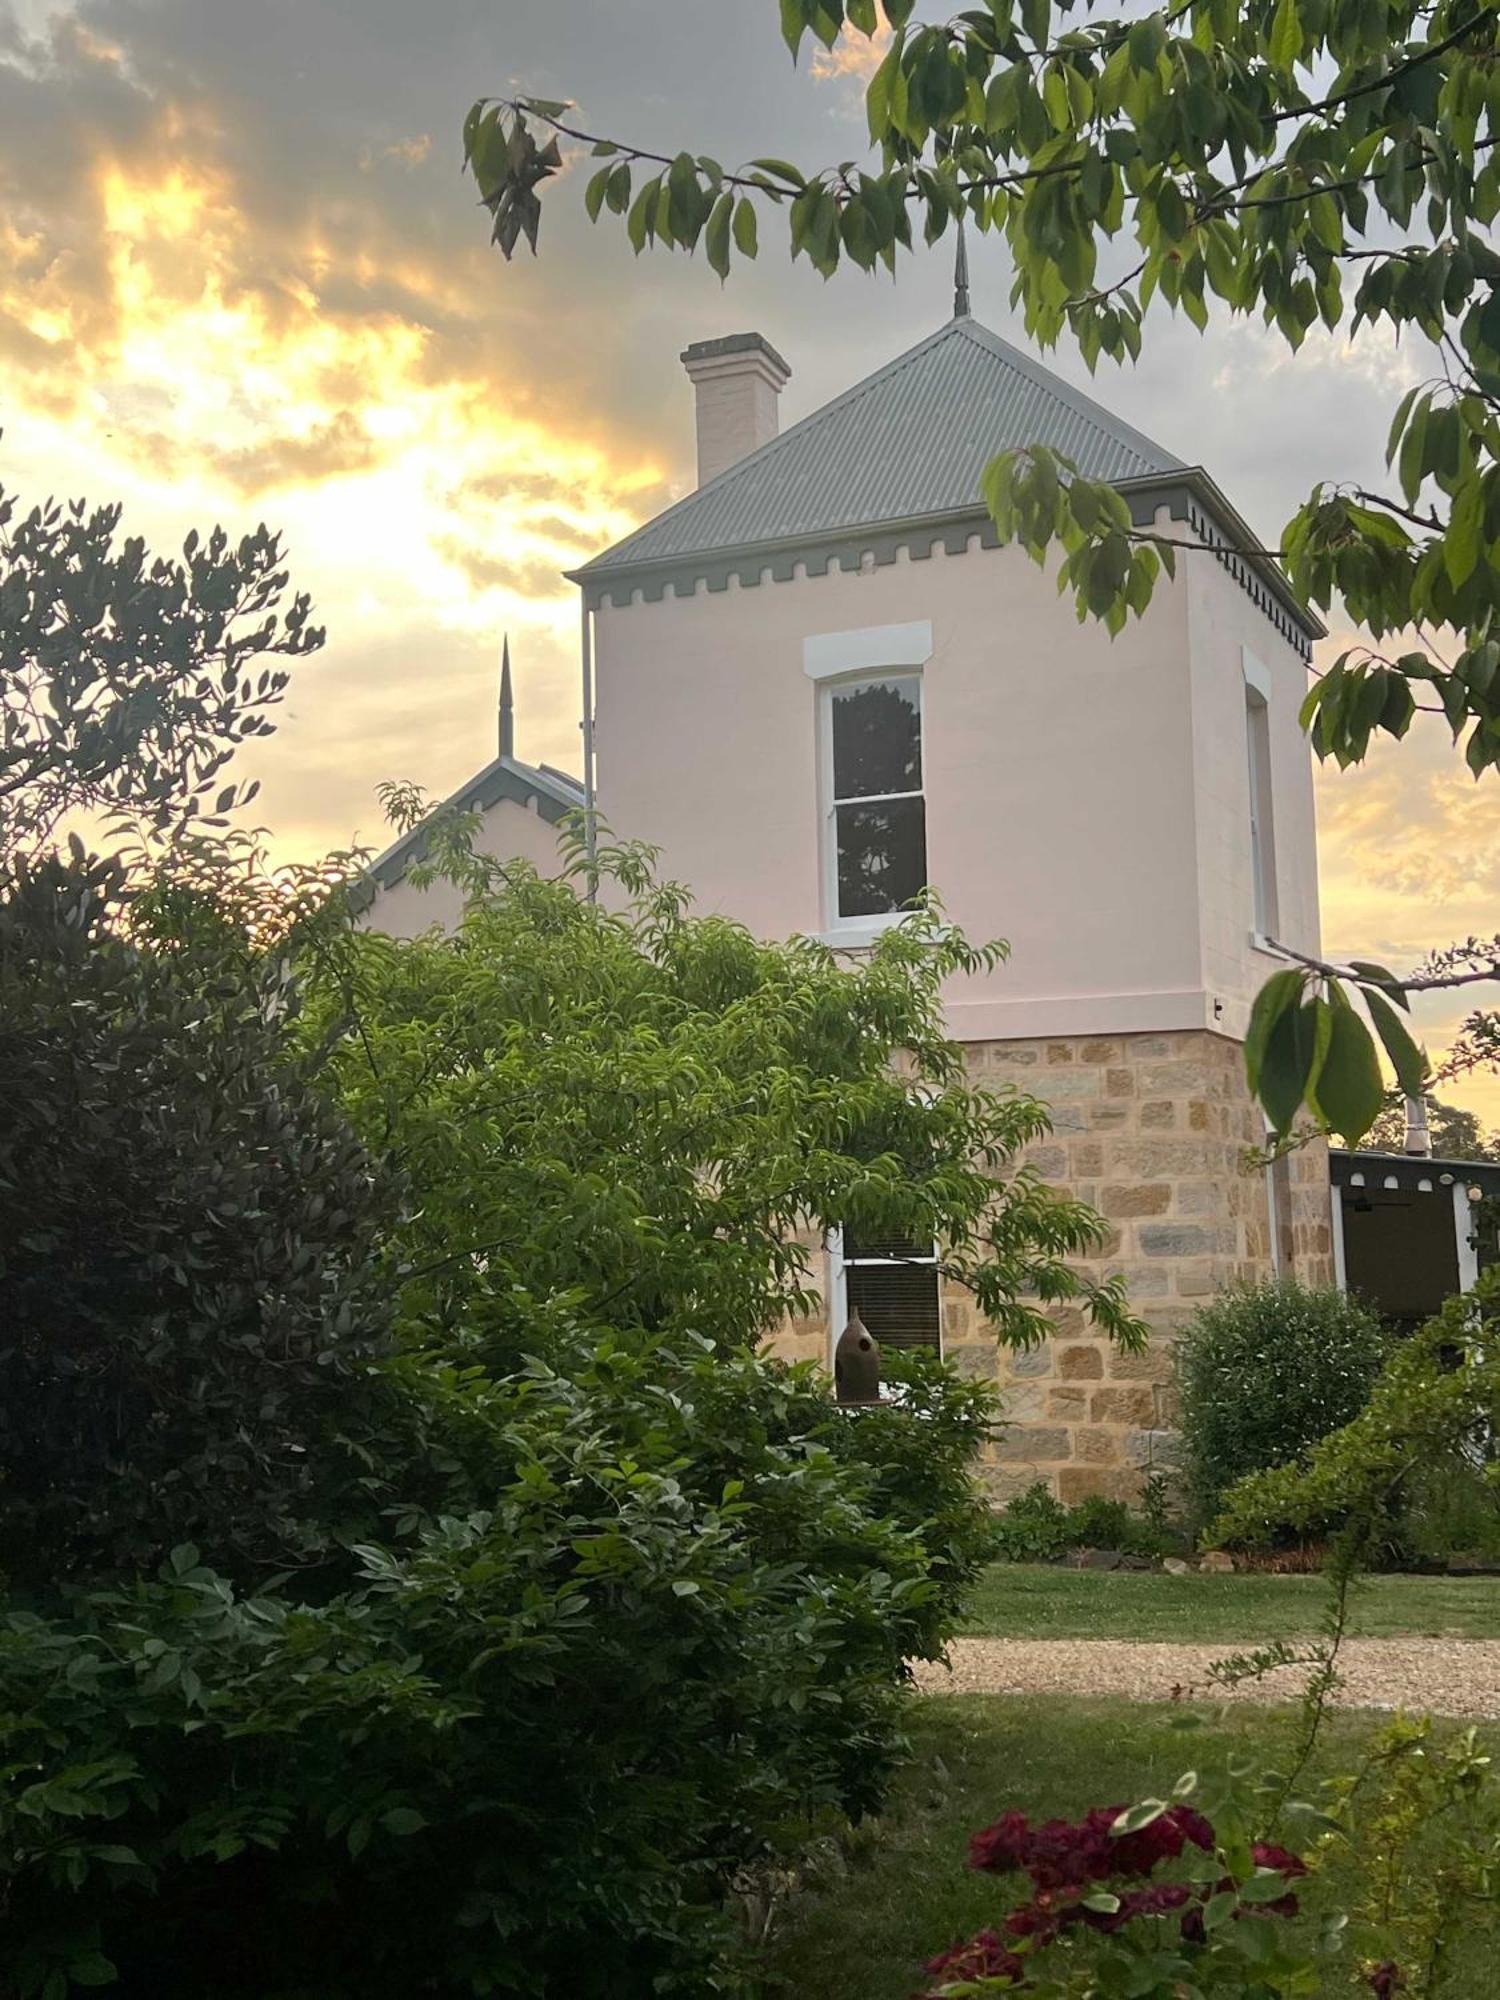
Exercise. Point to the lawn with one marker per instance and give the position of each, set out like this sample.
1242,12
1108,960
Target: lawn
1024,1601
902,1891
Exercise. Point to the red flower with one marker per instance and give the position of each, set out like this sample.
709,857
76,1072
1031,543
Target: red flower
1289,1865
1002,1848
1385,1980
983,1957
1162,1840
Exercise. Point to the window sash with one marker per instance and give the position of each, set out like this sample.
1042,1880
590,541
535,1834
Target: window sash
911,1318
833,851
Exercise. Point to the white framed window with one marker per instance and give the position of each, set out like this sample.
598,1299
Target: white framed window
893,1284
1267,916
875,819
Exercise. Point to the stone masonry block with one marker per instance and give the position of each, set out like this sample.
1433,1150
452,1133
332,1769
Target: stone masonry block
1160,1115
1100,1051
1080,1364
1097,1447
1133,1405
1136,1198
1024,1403
1158,1451
1069,1405
1083,1482
1177,1239
1086,1159
1029,1361
976,1363
1032,1445
1003,1483
1119,1083
1152,1364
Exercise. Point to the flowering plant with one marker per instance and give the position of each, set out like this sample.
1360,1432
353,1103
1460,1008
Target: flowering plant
1100,1920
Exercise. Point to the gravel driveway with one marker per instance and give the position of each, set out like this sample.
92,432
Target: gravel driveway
1436,1676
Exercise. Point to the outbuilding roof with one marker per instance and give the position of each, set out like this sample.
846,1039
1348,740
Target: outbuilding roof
909,441
550,793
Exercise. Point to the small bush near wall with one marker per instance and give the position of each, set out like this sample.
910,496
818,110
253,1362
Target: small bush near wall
1263,1373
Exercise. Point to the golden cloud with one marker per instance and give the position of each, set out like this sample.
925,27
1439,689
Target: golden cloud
853,54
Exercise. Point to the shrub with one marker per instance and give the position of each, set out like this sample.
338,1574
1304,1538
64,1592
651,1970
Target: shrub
1433,1410
1151,1899
189,1287
1263,1372
525,1753
1035,1527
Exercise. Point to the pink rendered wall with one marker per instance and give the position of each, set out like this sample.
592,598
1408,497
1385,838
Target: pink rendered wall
1059,774
1223,625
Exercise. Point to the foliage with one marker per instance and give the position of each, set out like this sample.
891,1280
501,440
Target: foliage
1435,1403
1037,1527
189,1297
1415,1900
1322,164
661,1115
1102,1920
527,1750
1456,1134
1263,1372
126,683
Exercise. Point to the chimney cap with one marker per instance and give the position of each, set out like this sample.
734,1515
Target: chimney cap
730,344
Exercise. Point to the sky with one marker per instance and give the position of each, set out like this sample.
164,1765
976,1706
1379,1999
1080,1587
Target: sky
242,278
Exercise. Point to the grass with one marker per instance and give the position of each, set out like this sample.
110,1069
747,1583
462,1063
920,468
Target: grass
902,1892
1022,1601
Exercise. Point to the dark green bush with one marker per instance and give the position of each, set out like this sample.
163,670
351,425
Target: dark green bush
189,1236
527,1750
1263,1373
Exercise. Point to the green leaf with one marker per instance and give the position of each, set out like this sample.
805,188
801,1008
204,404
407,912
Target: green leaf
1136,1816
1371,974
1465,536
1407,1059
716,235
403,1820
745,227
593,199
1281,991
1285,42
1350,1091
1287,1065
92,1969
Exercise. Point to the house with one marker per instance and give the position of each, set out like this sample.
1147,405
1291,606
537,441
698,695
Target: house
520,807
818,685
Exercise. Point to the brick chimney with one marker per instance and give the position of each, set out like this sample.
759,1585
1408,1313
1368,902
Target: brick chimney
738,381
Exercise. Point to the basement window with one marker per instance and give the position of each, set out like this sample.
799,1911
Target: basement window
875,862
892,1283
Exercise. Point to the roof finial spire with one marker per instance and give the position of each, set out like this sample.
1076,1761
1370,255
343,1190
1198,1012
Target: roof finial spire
961,275
507,704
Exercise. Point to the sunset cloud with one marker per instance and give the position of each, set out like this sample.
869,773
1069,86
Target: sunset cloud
242,276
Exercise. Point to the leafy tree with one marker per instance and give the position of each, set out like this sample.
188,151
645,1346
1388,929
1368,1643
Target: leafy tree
659,1114
1315,162
127,681
1456,1134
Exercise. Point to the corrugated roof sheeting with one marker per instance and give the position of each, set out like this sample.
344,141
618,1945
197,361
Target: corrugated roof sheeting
911,440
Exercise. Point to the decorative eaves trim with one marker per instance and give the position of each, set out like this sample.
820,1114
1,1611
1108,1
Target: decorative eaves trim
1189,496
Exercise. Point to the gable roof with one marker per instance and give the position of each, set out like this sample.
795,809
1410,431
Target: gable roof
909,441
504,778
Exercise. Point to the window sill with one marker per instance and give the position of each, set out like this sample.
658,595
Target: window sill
861,933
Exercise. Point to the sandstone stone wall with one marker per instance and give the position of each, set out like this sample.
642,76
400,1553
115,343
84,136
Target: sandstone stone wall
1152,1130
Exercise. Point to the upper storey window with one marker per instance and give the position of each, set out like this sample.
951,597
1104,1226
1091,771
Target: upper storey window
878,829
871,781
1262,802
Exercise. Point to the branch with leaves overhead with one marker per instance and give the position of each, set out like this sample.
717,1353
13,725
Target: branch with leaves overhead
1315,163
